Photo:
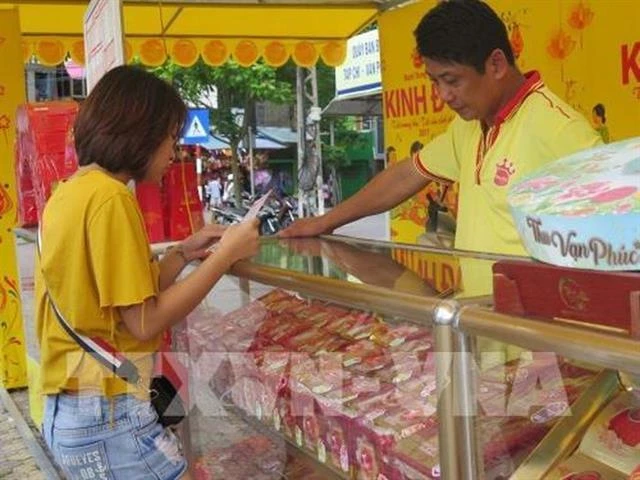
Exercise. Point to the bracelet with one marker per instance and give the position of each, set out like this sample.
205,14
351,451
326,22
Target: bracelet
179,249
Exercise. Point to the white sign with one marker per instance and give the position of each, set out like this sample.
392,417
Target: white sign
360,73
103,39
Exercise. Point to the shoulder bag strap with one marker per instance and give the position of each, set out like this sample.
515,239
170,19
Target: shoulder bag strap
97,347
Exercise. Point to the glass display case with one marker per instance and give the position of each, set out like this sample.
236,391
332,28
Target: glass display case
339,358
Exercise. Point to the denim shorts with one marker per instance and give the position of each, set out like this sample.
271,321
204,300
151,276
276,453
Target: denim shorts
94,437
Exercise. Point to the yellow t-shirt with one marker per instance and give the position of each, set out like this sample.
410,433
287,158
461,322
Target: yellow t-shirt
95,257
534,128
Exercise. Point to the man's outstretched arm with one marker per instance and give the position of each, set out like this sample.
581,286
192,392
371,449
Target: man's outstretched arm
386,190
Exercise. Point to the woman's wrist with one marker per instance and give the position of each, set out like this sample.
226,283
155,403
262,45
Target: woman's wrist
179,251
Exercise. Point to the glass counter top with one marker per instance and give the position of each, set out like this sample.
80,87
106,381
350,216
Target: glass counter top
424,271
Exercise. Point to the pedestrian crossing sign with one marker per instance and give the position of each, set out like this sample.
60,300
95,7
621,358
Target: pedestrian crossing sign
196,127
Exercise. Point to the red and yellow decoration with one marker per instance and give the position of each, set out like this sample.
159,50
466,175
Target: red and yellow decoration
246,53
184,53
128,52
334,53
305,54
560,45
13,359
275,54
215,53
50,51
77,52
154,51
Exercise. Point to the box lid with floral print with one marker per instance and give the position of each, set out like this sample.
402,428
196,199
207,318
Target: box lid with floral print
583,211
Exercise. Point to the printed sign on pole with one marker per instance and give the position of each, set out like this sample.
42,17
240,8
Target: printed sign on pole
196,127
103,38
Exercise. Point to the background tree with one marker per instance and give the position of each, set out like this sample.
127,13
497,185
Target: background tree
238,90
334,157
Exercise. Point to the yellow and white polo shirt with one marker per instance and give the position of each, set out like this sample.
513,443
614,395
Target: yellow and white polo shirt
536,127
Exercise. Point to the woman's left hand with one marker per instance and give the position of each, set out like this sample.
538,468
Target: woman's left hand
196,245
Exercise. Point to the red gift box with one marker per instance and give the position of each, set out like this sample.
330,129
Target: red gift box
27,208
149,198
610,299
182,205
184,221
44,144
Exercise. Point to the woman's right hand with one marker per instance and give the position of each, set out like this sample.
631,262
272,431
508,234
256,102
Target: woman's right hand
240,241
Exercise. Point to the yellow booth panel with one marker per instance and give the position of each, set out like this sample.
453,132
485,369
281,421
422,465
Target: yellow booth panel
304,31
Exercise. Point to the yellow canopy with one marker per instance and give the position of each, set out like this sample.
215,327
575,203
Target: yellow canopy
186,29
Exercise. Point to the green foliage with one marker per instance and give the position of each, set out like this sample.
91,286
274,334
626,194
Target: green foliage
346,137
238,90
325,77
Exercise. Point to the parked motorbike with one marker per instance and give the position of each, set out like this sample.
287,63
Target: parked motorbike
274,215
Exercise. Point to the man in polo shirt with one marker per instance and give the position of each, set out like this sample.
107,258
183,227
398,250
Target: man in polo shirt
508,125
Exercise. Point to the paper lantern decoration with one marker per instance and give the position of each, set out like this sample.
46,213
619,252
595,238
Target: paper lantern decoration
516,40
560,45
184,53
76,51
152,52
215,53
305,54
580,16
246,53
50,52
128,52
276,54
333,54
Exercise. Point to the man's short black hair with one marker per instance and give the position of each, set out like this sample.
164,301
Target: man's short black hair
464,32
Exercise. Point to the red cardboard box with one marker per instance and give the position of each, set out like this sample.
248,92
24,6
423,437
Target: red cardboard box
149,197
610,299
183,207
44,145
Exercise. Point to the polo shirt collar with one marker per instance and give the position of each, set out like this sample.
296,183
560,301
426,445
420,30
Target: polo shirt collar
532,82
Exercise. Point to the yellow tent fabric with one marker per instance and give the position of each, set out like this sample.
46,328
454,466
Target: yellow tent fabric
185,30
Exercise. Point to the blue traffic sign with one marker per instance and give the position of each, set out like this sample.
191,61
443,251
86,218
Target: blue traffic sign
196,127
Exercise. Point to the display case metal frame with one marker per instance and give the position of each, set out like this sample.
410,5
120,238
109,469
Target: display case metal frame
456,324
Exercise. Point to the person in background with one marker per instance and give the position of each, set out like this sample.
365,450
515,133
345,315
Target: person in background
415,149
214,189
599,118
96,264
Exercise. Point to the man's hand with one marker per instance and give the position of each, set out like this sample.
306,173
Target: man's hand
197,244
306,227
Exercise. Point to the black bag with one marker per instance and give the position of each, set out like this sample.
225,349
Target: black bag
166,401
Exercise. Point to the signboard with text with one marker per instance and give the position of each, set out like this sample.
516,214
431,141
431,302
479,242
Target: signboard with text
103,39
360,73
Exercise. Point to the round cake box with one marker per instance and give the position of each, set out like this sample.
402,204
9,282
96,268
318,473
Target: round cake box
583,210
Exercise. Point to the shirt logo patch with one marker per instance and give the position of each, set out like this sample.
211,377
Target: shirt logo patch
504,172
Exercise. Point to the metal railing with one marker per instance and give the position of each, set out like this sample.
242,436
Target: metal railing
455,323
